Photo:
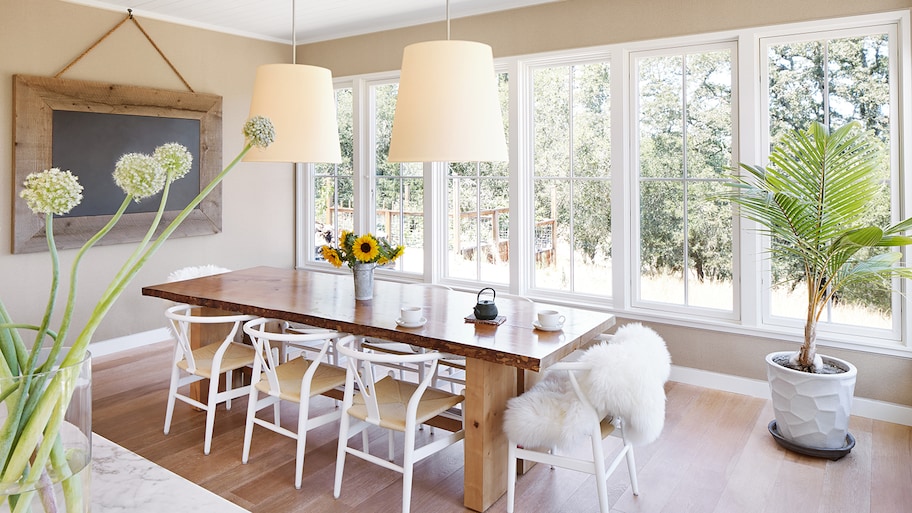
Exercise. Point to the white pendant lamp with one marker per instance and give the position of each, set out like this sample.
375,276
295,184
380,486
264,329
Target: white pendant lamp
447,109
300,102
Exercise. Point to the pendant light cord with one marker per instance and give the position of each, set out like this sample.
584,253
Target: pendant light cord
448,18
294,42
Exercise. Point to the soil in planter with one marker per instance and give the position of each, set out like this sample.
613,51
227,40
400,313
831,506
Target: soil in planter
828,367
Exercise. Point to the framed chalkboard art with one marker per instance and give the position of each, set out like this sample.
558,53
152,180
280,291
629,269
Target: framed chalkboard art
86,127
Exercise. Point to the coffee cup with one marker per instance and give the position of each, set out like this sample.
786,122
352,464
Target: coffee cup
410,314
550,319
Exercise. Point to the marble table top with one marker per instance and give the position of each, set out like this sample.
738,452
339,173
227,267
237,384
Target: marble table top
125,481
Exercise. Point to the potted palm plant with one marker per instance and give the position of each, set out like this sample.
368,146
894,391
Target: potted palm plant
814,201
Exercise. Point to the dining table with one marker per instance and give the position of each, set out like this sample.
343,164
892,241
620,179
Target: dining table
494,353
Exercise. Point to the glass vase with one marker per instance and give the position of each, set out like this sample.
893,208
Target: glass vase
58,431
364,280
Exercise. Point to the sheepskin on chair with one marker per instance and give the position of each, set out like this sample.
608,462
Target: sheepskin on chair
198,271
626,380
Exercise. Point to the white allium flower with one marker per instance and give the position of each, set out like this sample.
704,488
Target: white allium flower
259,131
174,158
139,175
51,191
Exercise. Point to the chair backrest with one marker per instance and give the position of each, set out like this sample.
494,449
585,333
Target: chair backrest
267,355
360,372
627,379
623,377
182,320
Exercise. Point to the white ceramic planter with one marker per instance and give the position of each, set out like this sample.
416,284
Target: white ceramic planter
812,410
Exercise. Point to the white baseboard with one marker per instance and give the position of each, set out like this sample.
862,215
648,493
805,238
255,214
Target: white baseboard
115,345
879,410
862,407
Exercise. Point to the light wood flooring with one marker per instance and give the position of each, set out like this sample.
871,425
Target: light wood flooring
714,456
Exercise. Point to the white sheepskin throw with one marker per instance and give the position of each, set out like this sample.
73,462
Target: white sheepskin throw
196,272
626,380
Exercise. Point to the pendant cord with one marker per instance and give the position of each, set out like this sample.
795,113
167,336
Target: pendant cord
294,41
448,18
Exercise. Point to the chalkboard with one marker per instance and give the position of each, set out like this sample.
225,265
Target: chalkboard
89,144
86,127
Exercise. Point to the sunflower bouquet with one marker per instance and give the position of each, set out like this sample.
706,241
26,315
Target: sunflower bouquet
361,249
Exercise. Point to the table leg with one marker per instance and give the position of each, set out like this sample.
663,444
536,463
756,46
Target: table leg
488,387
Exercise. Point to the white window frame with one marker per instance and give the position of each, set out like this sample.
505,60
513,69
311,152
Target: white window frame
748,146
634,203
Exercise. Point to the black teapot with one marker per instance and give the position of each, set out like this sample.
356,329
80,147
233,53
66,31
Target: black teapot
485,309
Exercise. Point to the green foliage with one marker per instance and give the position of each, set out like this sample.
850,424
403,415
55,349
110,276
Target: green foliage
813,200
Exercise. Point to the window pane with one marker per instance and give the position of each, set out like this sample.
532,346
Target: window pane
333,200
660,117
662,242
709,247
685,129
398,188
850,80
551,234
478,200
572,158
592,237
591,120
551,118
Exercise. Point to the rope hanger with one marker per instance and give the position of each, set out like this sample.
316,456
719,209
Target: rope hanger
136,22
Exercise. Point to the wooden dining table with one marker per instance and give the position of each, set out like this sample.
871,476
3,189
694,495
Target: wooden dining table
494,353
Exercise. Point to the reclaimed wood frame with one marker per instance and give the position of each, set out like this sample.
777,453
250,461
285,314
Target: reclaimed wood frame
34,101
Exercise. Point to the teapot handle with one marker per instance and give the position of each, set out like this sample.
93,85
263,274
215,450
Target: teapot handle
493,294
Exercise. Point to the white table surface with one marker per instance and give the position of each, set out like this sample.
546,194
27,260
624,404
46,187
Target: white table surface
125,481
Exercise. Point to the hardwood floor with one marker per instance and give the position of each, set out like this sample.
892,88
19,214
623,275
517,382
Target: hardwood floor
714,456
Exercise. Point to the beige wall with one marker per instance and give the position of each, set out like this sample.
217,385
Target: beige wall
39,37
582,23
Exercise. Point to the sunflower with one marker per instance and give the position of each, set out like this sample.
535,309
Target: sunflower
365,248
331,256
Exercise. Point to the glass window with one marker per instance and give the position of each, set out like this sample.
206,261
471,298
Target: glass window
833,79
571,144
478,222
398,187
334,201
683,133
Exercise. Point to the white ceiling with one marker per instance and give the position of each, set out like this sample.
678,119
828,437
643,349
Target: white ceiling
315,20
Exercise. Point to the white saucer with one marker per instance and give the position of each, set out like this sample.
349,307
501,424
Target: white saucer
550,328
418,324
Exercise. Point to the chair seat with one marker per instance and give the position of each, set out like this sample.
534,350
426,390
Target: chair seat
235,357
393,396
326,377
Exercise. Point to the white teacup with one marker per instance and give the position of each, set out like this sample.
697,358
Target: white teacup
410,314
550,319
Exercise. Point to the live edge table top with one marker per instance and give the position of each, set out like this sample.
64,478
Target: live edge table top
327,300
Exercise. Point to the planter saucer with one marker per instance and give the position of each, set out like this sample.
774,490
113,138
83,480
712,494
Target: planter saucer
817,452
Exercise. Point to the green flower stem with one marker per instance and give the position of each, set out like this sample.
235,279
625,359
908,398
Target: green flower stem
145,241
16,358
77,351
47,421
52,297
71,296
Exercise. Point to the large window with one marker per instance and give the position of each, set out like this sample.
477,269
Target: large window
834,78
617,157
571,169
684,131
